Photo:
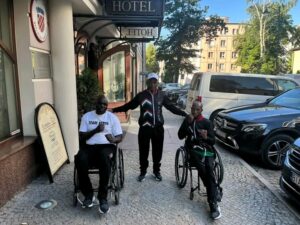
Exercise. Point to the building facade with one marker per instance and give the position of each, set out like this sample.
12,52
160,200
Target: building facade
44,45
219,55
296,61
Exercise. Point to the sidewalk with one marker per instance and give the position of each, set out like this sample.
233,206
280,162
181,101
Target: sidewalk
246,199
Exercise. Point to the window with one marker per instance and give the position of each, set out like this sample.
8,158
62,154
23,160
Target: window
9,115
223,43
211,43
233,67
210,55
243,85
114,77
233,31
209,66
222,55
234,42
234,55
284,85
222,67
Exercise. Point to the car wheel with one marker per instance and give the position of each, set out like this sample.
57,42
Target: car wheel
274,150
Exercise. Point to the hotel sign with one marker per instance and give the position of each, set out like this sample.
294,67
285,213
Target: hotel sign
139,32
134,7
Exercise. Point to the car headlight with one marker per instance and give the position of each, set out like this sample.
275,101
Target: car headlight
258,127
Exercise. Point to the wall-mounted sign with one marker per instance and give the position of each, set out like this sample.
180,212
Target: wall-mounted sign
38,19
48,128
134,7
139,32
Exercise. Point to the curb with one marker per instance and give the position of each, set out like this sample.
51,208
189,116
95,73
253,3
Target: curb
270,187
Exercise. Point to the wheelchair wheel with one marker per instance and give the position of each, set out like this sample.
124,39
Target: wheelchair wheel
115,184
218,168
76,187
181,168
121,168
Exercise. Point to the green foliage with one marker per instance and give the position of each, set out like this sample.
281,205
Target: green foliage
87,91
186,24
277,35
151,61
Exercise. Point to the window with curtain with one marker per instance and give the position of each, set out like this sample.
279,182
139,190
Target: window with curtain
9,120
114,77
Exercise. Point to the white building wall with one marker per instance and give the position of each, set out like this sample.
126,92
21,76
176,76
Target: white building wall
64,79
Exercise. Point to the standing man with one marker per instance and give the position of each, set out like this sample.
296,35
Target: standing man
198,131
151,123
100,130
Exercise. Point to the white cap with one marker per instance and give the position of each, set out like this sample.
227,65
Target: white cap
152,75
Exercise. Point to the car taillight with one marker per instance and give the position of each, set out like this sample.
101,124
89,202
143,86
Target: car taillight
199,98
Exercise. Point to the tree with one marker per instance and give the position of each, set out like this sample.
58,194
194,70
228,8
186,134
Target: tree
151,61
87,91
261,9
186,24
266,52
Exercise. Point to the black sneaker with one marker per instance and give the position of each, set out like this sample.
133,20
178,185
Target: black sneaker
103,207
157,176
88,202
215,211
141,177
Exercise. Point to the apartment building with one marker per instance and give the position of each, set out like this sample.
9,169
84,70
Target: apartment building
218,54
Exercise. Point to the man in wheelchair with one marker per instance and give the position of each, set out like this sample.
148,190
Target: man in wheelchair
199,135
100,131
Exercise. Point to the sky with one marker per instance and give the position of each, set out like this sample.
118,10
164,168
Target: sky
236,10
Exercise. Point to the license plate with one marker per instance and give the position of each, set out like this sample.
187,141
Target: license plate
295,178
220,133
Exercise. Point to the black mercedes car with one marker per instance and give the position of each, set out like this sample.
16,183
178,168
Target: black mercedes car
264,129
290,178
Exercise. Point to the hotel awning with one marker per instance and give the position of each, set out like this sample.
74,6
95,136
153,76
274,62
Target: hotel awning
129,20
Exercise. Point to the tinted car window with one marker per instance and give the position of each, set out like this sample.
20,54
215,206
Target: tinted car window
256,86
284,85
242,85
223,84
290,99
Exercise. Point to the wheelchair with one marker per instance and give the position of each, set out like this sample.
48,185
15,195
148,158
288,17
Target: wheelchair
116,179
183,166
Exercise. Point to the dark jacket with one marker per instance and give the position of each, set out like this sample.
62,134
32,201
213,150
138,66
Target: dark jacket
190,131
150,107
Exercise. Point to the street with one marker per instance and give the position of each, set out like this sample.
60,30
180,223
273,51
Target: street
247,197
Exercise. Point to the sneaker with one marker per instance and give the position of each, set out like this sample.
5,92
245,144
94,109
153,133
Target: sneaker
141,177
157,176
104,207
88,202
215,211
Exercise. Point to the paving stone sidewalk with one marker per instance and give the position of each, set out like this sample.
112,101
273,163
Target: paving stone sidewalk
246,199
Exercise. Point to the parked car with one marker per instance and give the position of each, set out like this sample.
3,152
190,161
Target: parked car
161,85
263,129
290,177
176,93
219,91
171,86
181,101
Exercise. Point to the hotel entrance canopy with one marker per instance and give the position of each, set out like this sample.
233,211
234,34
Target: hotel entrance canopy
129,20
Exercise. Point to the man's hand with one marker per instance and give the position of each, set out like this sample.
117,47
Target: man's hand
203,133
110,138
190,118
99,128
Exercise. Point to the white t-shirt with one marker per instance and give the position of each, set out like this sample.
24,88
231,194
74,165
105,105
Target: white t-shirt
90,121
